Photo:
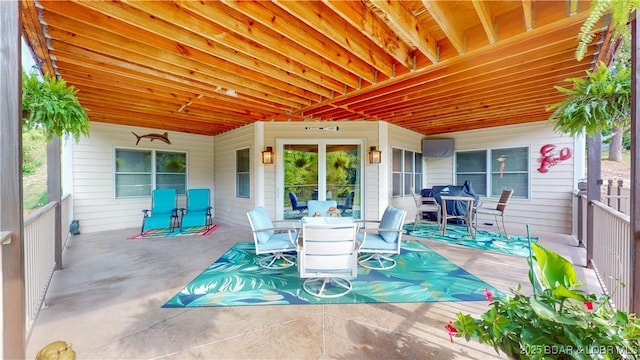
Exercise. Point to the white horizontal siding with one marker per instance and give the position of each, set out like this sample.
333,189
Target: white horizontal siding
549,205
402,138
229,208
548,209
93,178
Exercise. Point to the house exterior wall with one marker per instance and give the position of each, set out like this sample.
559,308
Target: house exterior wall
549,207
93,184
230,208
402,138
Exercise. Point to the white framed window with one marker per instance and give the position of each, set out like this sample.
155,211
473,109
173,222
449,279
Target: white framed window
492,170
406,172
138,172
243,174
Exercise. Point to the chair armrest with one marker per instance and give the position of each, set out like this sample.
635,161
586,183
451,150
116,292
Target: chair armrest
145,212
394,230
367,224
293,224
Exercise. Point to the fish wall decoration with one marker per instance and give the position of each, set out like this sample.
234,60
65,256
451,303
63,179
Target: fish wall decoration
162,137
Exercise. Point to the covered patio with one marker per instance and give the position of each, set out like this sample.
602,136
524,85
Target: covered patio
219,76
107,303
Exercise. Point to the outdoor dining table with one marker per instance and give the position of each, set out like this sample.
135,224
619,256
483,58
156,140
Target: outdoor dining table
467,217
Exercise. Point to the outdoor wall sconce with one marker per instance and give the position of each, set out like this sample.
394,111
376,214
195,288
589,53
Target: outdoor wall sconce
375,156
267,155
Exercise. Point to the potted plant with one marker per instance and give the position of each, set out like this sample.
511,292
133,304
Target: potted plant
558,321
52,106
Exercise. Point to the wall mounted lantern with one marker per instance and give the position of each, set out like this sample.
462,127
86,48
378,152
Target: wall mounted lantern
267,155
375,156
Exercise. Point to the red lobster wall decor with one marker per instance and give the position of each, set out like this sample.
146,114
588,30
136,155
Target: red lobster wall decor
549,157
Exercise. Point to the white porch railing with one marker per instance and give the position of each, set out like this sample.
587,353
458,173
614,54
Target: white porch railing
39,254
612,253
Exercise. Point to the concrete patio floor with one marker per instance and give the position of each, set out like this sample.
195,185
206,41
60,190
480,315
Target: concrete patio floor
107,303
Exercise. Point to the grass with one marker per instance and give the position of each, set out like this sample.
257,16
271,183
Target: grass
34,177
34,196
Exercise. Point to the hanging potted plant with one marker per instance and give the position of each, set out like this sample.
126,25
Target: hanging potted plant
52,106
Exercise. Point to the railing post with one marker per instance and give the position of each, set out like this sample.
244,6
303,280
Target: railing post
11,219
609,186
634,205
620,186
55,194
594,151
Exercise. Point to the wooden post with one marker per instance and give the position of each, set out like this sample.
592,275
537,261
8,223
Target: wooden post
11,219
54,192
594,151
634,187
620,186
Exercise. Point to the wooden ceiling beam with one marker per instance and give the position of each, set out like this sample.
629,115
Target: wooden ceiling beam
240,24
507,50
359,16
232,51
409,27
491,77
319,18
33,31
166,59
445,19
486,19
527,14
102,78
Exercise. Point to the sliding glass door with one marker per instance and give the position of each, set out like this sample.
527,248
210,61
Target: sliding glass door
319,170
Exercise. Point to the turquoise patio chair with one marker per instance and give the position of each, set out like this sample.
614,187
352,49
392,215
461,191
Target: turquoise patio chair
274,239
163,213
198,210
381,240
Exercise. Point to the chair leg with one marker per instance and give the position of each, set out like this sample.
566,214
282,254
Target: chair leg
415,223
277,261
317,286
376,262
504,228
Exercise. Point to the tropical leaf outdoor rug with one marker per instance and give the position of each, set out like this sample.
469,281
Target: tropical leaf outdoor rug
485,240
190,231
422,275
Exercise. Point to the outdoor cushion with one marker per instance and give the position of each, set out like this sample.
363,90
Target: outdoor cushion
375,241
391,219
261,220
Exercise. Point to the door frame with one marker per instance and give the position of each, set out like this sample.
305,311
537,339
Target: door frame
322,143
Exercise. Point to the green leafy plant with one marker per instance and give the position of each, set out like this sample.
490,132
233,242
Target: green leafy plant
52,105
620,11
558,321
595,103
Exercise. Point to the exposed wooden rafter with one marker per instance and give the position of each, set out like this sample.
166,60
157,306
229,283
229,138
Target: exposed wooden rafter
207,67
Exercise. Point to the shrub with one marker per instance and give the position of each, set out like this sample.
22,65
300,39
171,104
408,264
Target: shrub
559,321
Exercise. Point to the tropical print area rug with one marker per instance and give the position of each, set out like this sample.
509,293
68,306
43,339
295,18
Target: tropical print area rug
422,275
190,231
484,240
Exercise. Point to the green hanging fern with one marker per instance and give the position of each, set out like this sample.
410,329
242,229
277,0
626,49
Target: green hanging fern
52,105
620,14
595,103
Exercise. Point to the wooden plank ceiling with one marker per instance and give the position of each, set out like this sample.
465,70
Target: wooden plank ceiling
207,67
